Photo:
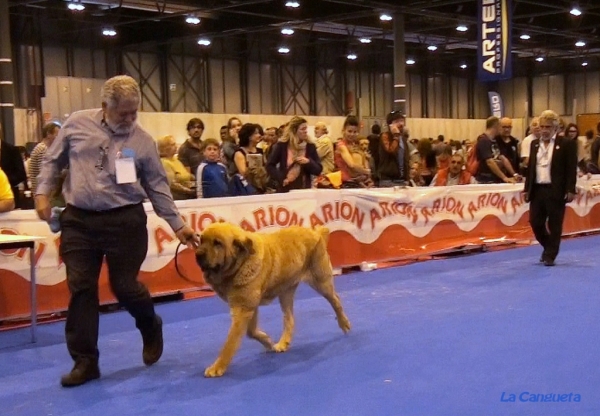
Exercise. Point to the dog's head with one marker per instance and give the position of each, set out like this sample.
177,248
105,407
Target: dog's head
223,249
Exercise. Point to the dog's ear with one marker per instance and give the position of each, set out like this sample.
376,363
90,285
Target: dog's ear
245,247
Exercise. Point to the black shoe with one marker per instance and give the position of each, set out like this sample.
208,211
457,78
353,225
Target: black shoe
153,343
548,262
85,369
542,259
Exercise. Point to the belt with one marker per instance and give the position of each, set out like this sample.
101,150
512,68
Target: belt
107,211
543,185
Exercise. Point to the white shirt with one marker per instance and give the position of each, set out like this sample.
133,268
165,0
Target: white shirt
526,145
544,162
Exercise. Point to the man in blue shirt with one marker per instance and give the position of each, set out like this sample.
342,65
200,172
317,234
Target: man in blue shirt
113,166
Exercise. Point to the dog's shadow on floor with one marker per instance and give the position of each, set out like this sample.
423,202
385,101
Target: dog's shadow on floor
301,357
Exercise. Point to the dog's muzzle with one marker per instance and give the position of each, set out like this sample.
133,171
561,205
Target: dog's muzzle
203,262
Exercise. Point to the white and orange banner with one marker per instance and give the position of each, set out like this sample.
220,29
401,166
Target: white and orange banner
372,225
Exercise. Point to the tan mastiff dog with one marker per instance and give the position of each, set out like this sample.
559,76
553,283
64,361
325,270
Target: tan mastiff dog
251,269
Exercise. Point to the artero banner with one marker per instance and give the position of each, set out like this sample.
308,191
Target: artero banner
494,60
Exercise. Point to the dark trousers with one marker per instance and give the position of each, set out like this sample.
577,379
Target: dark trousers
87,238
546,208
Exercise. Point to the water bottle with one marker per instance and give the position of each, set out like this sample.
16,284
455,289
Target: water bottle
54,222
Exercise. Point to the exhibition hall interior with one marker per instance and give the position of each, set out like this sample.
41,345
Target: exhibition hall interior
407,190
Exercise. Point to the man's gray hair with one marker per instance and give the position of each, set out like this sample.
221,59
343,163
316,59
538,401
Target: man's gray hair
117,88
549,115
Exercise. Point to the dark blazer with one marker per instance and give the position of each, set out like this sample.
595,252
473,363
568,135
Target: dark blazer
277,165
563,168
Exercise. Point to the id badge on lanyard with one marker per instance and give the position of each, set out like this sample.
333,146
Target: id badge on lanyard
125,166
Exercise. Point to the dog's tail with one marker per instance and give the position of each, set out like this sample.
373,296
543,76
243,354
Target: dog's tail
324,232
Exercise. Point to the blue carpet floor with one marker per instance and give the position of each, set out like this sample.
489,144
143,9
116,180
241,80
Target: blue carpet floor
443,337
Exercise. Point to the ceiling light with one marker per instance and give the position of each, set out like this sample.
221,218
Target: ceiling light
108,31
410,61
352,56
76,7
192,20
525,36
462,28
287,31
575,11
365,40
283,49
584,64
580,44
539,59
385,17
432,48
292,4
204,42
463,66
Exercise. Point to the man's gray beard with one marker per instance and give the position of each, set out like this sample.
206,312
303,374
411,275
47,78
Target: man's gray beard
120,129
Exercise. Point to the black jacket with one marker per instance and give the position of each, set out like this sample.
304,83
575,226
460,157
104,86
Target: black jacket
563,168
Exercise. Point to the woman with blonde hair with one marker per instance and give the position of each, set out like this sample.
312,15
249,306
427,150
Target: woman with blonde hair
293,159
181,181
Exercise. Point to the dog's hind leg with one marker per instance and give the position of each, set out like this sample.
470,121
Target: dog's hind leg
240,318
286,301
321,280
256,333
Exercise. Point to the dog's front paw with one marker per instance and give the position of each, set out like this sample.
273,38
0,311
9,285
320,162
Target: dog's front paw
281,347
214,371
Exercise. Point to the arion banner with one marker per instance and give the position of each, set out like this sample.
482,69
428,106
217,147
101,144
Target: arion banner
373,225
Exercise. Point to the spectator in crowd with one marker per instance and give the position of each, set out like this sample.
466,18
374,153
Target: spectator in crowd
211,176
415,178
427,160
572,133
443,158
394,157
492,165
509,145
550,184
269,139
249,136
293,159
7,198
49,133
349,159
11,163
374,144
181,181
223,133
534,128
594,165
113,166
190,152
324,147
230,143
438,145
586,150
454,174
457,147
